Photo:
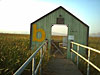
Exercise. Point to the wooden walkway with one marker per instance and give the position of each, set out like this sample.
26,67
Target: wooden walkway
59,66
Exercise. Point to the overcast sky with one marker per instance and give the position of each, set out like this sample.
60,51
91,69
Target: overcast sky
16,15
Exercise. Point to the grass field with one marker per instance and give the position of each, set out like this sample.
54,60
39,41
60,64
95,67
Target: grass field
94,42
14,50
58,38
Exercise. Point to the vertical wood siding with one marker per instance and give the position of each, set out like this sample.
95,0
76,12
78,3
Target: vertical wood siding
75,27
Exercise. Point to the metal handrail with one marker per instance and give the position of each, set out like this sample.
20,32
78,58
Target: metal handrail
79,55
31,58
92,49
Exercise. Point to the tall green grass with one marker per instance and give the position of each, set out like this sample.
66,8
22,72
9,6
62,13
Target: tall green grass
14,50
94,42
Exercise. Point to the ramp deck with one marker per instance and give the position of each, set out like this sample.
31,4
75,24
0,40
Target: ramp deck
59,66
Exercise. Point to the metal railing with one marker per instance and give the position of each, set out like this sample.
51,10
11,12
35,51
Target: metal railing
79,55
58,50
42,50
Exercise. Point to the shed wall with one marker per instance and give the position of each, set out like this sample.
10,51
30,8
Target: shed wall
75,27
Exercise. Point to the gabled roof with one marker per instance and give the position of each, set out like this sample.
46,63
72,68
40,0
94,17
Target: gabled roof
60,7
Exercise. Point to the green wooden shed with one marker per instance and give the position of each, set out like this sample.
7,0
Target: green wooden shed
78,31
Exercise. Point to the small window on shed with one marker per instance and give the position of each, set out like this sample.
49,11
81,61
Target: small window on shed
60,21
